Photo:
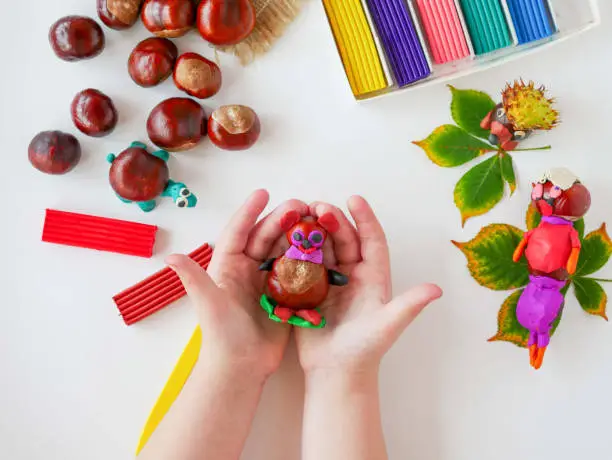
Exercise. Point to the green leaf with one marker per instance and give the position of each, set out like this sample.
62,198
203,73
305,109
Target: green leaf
508,327
450,146
489,258
268,305
469,107
595,252
591,296
480,189
507,170
533,219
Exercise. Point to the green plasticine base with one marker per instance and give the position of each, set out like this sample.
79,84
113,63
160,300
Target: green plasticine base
268,305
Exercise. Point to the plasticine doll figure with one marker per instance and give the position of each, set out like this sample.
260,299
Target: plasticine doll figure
552,250
523,110
298,282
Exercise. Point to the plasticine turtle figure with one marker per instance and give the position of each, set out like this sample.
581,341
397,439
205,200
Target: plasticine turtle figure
298,282
138,176
552,251
523,110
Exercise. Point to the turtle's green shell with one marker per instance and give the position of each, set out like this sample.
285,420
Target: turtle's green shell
136,175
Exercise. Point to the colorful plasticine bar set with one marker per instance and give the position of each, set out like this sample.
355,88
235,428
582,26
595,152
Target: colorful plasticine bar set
391,44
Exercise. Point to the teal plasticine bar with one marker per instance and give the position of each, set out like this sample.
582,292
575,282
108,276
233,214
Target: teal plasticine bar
487,25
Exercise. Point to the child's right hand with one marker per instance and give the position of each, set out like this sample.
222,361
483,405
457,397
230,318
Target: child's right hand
363,319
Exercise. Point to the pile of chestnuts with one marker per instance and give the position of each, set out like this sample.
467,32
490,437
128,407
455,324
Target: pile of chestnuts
175,124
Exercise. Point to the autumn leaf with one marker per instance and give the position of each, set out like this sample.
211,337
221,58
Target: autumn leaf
595,252
489,258
508,327
591,296
450,146
480,189
507,170
469,108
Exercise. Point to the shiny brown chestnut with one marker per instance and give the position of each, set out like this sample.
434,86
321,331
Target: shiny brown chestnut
168,18
94,113
74,38
119,14
136,175
197,76
234,127
152,60
54,152
225,22
176,124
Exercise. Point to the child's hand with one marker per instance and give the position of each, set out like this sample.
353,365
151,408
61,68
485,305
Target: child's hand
363,320
236,332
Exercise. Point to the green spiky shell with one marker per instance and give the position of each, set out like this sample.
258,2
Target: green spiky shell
528,108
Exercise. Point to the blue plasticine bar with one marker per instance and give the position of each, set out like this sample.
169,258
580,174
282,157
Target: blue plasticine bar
487,25
532,19
400,40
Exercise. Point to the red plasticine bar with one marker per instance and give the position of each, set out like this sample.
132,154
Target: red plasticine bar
157,291
100,233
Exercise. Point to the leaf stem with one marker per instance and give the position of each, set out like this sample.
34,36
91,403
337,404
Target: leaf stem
602,280
547,147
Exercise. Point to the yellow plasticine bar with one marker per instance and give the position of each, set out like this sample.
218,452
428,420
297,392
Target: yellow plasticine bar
356,46
172,389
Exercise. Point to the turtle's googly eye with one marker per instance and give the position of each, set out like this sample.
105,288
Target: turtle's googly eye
181,202
501,112
520,135
185,192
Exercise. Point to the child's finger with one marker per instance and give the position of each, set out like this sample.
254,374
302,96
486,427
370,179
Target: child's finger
267,231
402,310
235,237
374,248
346,241
196,281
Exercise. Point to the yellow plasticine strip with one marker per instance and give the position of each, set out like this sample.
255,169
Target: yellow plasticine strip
356,46
172,389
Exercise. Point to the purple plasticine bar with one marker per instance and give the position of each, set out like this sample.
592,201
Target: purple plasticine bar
399,37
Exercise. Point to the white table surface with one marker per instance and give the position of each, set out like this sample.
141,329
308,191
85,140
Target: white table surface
76,383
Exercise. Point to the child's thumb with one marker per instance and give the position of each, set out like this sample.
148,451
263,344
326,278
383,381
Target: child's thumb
405,308
196,281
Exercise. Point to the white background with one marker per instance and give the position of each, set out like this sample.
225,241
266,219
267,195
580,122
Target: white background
75,383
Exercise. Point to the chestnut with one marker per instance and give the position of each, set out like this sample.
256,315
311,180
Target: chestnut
54,152
94,113
223,22
168,18
119,14
74,38
197,76
152,61
176,124
234,127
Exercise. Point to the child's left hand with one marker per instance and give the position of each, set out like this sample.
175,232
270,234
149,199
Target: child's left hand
236,334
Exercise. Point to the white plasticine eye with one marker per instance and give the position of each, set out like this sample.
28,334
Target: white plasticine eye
520,135
185,192
501,112
181,202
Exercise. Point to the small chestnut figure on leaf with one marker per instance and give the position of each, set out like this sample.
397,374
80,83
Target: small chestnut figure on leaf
552,250
298,282
524,109
138,176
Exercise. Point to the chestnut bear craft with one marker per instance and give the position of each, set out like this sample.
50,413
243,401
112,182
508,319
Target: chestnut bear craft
138,176
298,282
552,250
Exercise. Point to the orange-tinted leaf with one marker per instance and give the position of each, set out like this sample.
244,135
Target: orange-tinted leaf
489,257
591,296
508,327
595,252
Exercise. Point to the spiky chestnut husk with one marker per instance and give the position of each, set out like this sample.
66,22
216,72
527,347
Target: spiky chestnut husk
528,108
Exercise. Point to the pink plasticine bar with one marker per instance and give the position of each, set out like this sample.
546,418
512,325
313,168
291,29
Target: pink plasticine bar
445,34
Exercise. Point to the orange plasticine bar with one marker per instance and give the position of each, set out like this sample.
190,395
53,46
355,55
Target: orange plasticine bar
157,291
100,233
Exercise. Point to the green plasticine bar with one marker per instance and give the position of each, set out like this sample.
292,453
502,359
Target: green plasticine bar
487,25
